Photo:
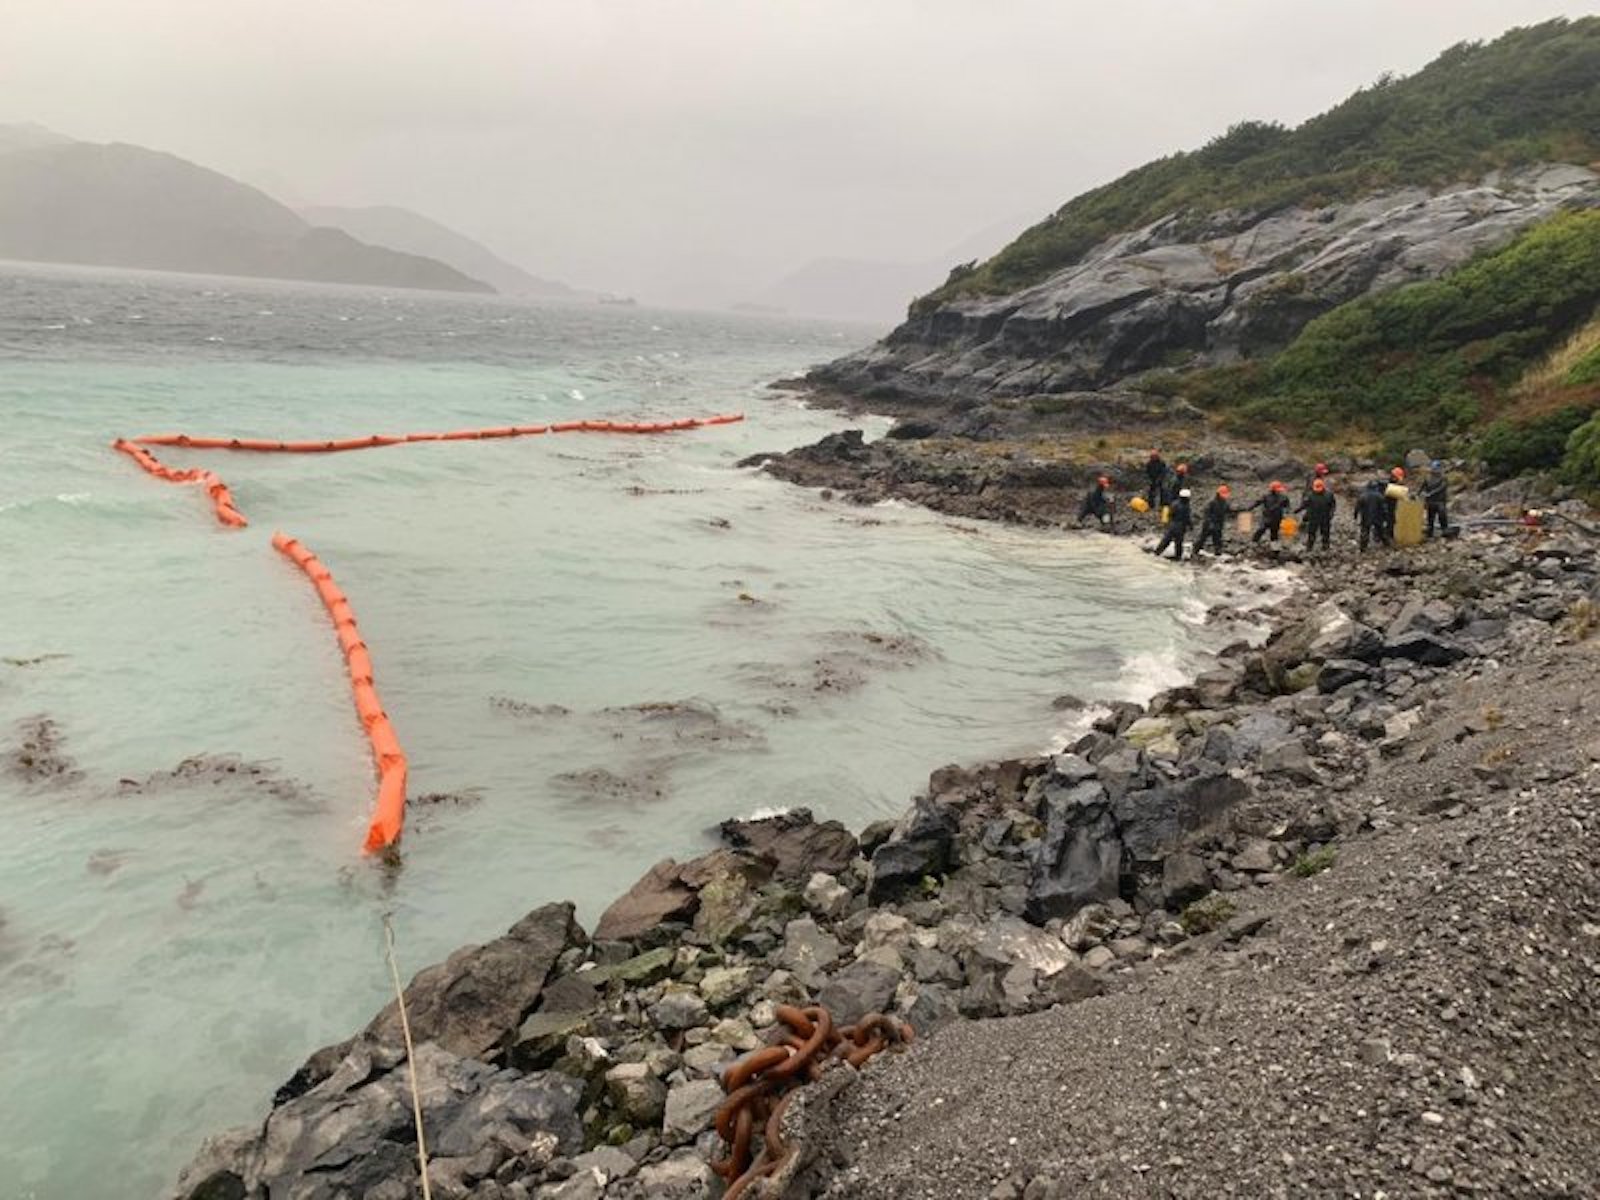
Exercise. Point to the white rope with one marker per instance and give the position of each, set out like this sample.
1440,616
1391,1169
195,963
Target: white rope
411,1057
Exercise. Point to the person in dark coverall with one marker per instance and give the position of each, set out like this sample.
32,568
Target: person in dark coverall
1391,506
1274,507
1318,508
1212,518
1177,480
1177,526
1372,514
1320,471
1435,492
1155,471
1097,504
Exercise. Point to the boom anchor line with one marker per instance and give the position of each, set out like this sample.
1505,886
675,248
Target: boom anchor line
388,815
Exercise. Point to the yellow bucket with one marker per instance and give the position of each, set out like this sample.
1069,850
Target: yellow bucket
1139,504
1288,527
1166,513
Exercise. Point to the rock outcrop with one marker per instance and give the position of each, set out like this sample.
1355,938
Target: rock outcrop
1191,291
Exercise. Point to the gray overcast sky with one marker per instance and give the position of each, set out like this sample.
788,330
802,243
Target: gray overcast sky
694,150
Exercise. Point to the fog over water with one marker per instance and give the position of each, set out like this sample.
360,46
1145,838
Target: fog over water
694,151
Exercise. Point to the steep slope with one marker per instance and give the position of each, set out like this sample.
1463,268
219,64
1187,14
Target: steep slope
402,229
122,205
1227,253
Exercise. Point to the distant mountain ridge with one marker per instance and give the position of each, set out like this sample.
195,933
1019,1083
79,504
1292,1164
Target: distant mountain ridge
871,290
127,206
402,229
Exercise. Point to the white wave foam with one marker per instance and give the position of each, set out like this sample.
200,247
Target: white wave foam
1143,675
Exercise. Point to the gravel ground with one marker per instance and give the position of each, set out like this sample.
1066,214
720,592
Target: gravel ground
1418,1020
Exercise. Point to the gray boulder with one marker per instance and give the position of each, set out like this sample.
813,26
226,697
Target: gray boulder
352,1134
474,1000
920,847
1154,821
861,988
794,843
1340,672
1184,878
1079,859
661,895
1428,649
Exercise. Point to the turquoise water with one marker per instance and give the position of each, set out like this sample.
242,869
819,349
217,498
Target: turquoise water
171,950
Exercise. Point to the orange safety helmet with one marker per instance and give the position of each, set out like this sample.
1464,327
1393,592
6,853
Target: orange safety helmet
1183,468
1397,474
1318,486
1322,468
1105,481
1277,486
1225,491
1155,454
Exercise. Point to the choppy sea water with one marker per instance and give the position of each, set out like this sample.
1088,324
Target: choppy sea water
592,648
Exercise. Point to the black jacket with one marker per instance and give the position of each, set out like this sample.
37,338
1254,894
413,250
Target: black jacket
1216,513
1155,471
1180,514
1171,486
1372,508
1319,505
1435,490
1273,506
1097,503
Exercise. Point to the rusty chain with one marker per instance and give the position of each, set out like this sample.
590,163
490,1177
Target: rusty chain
761,1084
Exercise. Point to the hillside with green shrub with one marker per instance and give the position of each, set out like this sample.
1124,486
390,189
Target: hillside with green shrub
1461,363
1532,95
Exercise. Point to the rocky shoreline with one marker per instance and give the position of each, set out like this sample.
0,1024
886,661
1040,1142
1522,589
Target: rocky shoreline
1397,694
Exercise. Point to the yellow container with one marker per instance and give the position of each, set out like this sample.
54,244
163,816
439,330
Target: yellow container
1139,504
1288,527
1408,523
1397,491
1166,513
1245,523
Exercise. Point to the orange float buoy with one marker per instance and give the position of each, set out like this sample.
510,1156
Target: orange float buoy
388,815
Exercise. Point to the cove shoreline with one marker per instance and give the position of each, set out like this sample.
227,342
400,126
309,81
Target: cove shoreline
561,1064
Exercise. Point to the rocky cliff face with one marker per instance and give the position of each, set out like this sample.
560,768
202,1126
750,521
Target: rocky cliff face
1190,291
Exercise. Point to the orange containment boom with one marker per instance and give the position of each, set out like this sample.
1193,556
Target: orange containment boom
389,814
221,497
188,442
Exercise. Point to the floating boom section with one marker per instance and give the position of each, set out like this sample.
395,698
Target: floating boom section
389,813
265,445
221,497
388,817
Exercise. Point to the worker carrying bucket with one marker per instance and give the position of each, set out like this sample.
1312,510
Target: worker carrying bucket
1274,508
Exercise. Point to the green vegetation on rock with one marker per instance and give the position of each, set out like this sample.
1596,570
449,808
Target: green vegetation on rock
1435,362
1204,915
1581,464
1532,95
